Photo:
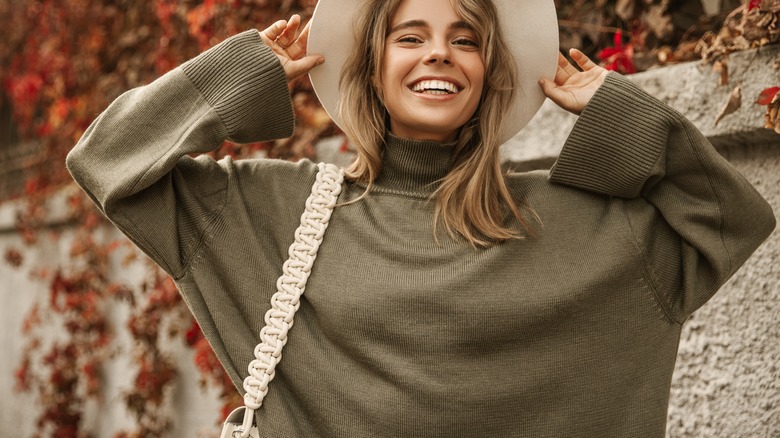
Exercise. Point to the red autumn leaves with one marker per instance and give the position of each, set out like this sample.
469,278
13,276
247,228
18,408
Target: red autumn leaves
768,96
211,370
619,57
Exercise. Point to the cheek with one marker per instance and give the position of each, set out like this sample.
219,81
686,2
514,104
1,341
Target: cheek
473,67
477,78
389,75
478,73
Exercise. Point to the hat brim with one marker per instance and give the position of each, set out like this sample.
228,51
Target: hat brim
530,28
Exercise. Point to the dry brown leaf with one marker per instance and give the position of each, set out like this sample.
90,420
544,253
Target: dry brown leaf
722,66
733,104
772,116
685,51
740,43
761,25
770,5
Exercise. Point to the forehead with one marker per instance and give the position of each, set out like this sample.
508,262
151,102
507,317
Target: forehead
428,11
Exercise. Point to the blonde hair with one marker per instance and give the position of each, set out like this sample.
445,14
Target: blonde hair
472,200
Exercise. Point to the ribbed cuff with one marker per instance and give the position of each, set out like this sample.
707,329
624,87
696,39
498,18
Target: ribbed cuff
242,79
617,141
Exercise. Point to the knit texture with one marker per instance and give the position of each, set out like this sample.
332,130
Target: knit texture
573,332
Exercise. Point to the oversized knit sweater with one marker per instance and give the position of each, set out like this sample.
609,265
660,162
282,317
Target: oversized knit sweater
571,332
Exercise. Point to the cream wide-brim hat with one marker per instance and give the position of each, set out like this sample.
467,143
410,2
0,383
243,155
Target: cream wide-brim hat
530,28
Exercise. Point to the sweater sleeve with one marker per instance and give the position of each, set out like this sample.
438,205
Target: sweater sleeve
134,159
693,217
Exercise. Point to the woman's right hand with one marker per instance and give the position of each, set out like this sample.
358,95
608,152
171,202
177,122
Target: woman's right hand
291,50
573,88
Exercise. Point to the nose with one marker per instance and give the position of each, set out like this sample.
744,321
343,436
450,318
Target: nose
439,53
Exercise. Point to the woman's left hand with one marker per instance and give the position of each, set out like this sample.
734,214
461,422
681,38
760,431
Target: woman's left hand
573,89
282,37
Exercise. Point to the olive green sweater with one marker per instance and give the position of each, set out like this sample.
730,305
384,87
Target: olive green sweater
573,332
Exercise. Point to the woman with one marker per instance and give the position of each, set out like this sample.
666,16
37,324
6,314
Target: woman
551,307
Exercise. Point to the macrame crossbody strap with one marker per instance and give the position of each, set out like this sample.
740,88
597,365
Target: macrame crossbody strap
290,286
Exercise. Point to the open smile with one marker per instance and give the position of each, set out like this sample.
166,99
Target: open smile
435,87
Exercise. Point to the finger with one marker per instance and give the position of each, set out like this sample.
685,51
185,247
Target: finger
566,65
582,60
561,75
273,31
299,67
298,48
548,87
287,37
565,70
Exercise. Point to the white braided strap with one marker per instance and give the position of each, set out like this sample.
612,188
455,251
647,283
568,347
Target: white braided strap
290,286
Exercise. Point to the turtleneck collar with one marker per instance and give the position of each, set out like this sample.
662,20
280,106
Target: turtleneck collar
413,166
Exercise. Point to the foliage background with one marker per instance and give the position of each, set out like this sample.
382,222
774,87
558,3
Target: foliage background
63,61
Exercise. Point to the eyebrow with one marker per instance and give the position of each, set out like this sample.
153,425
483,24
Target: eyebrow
422,23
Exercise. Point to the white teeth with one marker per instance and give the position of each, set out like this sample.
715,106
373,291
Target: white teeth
435,87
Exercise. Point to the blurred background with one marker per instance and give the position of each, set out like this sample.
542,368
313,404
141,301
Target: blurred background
96,341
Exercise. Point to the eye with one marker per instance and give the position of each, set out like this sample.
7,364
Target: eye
467,42
408,39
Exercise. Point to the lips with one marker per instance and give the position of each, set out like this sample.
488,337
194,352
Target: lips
435,87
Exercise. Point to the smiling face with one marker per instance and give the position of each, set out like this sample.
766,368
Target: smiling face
432,71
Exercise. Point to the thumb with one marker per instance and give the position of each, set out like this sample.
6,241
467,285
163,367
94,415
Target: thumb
549,89
299,67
